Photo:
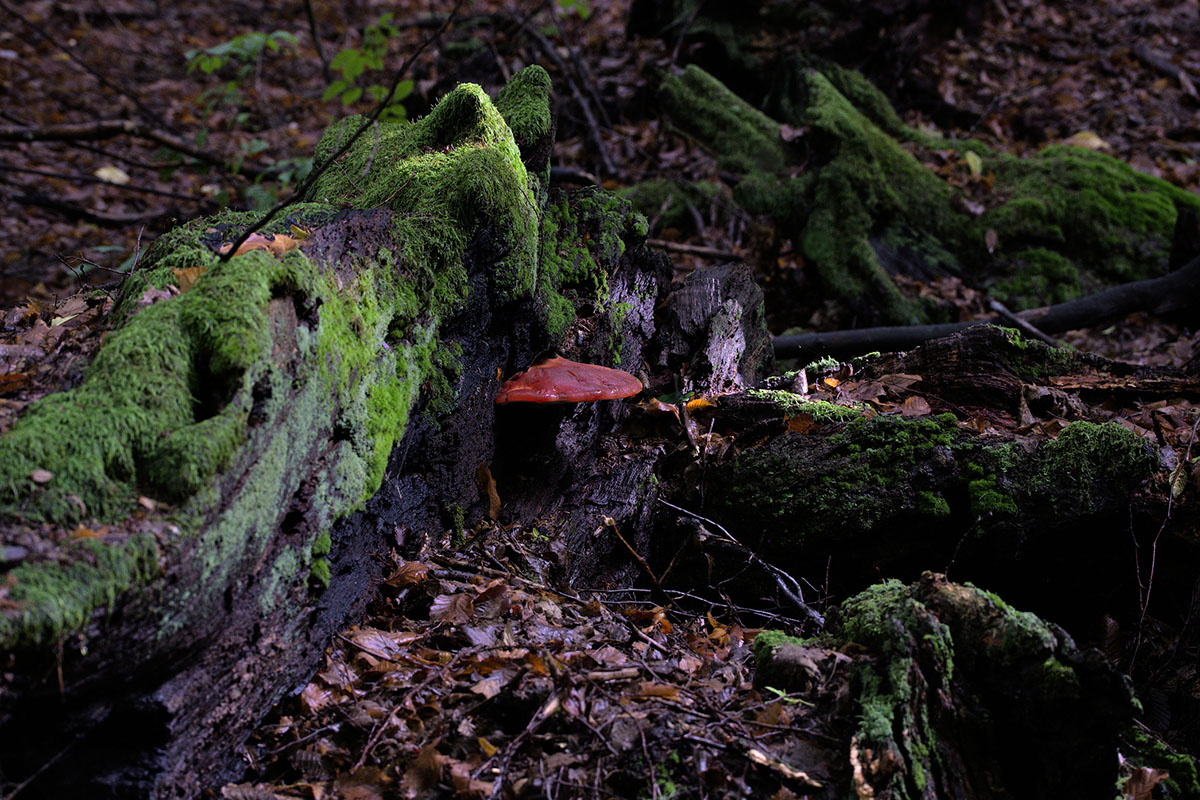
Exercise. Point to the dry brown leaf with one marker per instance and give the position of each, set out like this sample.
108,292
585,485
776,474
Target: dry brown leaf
487,486
800,423
651,689
914,406
453,608
277,244
384,644
1140,785
408,574
314,697
426,770
186,278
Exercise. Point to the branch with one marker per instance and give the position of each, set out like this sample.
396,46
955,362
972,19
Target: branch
149,112
319,170
1173,293
125,187
108,129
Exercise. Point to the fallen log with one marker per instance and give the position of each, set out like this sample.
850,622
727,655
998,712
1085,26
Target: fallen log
226,485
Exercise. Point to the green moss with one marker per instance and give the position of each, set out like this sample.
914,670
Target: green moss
456,171
744,139
853,479
1087,206
821,411
1086,455
1145,750
932,505
887,620
165,407
524,103
1068,221
59,596
675,204
322,545
1039,276
767,642
319,573
580,232
987,499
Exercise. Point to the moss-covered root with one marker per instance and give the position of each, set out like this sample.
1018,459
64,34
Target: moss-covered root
964,696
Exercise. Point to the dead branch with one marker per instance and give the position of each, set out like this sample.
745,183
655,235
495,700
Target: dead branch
111,128
1173,293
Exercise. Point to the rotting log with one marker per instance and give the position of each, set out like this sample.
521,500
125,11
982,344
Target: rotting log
842,178
227,484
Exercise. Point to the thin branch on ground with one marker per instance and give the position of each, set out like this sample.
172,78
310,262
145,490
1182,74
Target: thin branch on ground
111,128
137,101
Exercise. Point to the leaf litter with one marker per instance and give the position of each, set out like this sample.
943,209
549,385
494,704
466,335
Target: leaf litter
492,684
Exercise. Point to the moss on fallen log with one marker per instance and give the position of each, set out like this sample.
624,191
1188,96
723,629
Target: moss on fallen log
849,185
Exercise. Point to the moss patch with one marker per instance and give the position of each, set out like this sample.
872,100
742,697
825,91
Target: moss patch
165,409
1068,220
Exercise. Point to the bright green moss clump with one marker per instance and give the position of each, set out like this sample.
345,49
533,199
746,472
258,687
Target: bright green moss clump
225,380
1067,221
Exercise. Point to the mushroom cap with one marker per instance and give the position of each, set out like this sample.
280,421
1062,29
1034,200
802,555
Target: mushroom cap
560,380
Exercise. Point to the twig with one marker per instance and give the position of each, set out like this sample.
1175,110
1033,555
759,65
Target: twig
125,187
593,126
611,524
1021,324
149,112
687,26
312,31
1144,591
693,249
76,212
1172,293
370,120
786,583
108,129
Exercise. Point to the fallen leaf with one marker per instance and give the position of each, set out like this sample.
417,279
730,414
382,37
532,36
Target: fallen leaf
791,134
1141,783
407,574
111,174
453,608
187,277
974,163
276,244
384,644
1088,140
914,406
487,486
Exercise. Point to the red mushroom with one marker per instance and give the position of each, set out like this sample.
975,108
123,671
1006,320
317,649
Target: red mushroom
558,380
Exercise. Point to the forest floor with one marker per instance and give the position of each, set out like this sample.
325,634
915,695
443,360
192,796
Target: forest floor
449,676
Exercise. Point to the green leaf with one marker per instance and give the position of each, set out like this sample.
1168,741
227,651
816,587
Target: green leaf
335,89
351,95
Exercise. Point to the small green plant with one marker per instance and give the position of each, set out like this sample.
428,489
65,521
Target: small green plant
580,7
360,65
244,53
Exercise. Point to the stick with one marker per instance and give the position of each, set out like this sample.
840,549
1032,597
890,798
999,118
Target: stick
1172,293
108,129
